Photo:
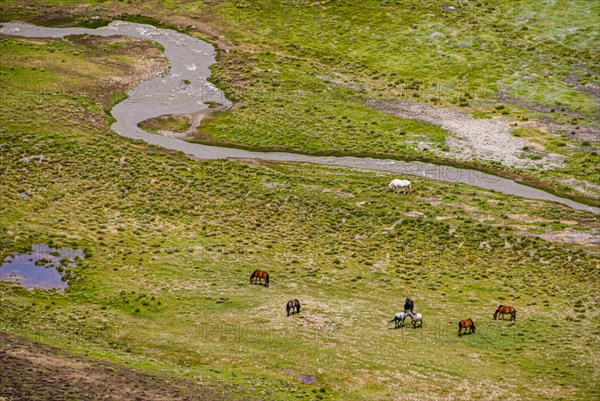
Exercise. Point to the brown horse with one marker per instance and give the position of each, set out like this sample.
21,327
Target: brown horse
506,310
466,324
260,275
291,305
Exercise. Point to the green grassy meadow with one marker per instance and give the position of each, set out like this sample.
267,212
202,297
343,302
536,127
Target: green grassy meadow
301,74
170,242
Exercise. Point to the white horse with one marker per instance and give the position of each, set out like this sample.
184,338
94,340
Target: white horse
396,185
399,319
416,318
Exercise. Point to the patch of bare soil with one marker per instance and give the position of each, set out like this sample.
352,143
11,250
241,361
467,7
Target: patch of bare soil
588,133
413,213
503,98
471,139
573,236
72,13
582,186
317,321
589,88
32,371
150,62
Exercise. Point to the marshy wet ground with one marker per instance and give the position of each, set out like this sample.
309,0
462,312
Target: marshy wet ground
43,267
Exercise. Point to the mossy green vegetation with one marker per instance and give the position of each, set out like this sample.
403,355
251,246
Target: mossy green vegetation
311,65
170,243
177,124
302,72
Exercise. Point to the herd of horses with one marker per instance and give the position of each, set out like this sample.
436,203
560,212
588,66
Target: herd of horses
501,311
416,319
464,326
293,306
262,277
396,186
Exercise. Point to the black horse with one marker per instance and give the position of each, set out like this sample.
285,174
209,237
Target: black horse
293,306
409,305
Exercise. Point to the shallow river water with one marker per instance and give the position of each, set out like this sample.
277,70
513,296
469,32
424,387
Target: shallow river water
185,89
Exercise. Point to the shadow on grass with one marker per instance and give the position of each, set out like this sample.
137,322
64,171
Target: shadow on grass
405,325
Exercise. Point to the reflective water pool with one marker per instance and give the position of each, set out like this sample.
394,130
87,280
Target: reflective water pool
42,267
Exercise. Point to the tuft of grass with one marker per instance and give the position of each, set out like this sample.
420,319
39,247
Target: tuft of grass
170,123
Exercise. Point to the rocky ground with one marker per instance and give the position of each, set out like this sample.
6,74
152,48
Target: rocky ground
471,138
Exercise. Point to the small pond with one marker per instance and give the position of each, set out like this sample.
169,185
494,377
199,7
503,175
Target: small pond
307,379
42,267
303,378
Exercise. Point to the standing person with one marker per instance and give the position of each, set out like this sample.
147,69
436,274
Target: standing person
409,305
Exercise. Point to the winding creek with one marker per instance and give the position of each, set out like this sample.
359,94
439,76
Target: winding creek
185,90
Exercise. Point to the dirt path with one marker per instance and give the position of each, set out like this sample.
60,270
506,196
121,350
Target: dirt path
31,371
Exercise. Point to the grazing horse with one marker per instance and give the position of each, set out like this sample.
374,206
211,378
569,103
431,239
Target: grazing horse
291,306
506,310
260,275
415,318
466,324
398,319
408,305
396,185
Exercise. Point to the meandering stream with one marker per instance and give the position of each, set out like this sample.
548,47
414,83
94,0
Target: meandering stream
185,89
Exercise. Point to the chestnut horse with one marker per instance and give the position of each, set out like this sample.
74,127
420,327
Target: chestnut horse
466,324
291,305
260,275
506,310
